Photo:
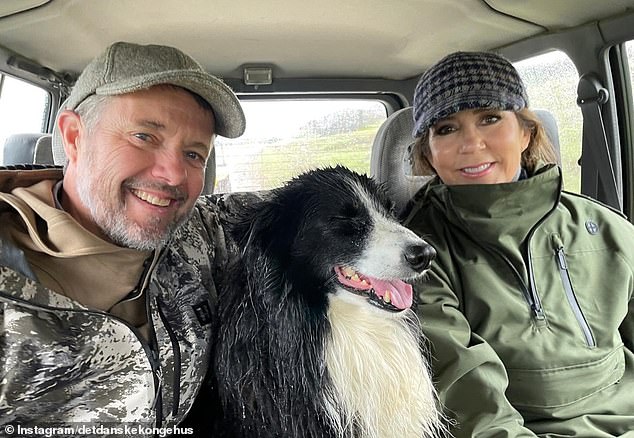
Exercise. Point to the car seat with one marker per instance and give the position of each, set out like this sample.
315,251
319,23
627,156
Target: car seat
391,162
44,150
210,174
20,148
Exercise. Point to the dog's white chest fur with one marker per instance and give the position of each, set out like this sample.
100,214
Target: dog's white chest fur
380,380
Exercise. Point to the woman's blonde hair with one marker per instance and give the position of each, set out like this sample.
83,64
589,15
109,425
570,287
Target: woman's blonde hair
540,148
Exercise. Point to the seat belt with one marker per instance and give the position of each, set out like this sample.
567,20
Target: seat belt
590,97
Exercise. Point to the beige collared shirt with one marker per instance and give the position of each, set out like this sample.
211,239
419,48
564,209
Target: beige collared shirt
70,260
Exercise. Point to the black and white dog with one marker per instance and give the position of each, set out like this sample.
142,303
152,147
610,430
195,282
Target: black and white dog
317,335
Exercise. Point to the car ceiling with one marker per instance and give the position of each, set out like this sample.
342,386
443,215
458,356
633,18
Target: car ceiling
394,39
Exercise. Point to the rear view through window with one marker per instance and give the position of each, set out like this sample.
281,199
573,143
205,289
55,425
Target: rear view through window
23,108
287,137
551,82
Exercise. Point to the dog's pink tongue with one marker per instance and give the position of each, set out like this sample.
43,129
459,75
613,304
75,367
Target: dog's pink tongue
401,294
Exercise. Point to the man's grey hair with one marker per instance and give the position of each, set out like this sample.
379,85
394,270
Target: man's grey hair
90,110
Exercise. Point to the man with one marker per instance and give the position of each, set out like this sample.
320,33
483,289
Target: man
107,271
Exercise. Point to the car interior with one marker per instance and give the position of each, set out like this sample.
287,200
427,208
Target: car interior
330,82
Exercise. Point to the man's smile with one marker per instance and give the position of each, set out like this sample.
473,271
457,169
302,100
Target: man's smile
151,199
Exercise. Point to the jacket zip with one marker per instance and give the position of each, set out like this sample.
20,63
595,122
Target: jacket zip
562,264
537,307
156,366
177,358
152,347
153,344
529,291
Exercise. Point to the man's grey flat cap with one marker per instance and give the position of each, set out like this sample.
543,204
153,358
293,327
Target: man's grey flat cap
126,67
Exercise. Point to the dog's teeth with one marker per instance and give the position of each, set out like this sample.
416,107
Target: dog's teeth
387,297
348,271
355,277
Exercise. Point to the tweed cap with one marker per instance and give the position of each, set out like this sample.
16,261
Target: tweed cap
466,80
126,67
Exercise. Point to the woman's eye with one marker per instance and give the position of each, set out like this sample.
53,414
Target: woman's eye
491,118
443,129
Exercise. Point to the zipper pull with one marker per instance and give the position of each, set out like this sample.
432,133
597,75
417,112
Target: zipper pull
560,254
538,311
561,258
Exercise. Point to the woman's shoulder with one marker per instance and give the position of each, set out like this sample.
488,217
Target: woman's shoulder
419,200
581,201
596,220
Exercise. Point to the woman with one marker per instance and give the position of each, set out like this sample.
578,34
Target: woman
529,305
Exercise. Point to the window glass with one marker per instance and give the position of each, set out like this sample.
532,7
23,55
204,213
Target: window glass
629,47
551,81
284,138
23,108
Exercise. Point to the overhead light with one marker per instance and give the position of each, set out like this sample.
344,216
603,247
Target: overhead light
258,76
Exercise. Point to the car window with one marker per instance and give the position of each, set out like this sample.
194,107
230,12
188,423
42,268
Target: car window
628,151
284,138
23,108
629,47
551,81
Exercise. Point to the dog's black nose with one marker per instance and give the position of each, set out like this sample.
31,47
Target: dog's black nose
419,257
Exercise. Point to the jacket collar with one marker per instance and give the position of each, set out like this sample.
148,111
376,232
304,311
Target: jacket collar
27,175
493,210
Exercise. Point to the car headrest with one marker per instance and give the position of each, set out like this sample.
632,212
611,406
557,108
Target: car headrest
210,174
20,148
44,150
391,163
552,131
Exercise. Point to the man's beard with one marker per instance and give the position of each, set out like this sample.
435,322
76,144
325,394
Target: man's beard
112,220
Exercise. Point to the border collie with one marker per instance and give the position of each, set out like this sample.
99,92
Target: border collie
317,337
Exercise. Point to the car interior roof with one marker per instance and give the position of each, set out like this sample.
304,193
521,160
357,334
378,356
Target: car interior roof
393,40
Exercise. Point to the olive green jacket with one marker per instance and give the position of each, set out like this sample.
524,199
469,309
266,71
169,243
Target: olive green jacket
529,308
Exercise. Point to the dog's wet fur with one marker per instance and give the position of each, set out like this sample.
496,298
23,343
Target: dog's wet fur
317,337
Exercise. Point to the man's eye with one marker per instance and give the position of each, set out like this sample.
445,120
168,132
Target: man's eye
141,136
195,156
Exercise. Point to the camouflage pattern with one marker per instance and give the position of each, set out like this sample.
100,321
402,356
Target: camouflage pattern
63,363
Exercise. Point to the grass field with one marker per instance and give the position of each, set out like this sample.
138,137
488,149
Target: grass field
279,163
